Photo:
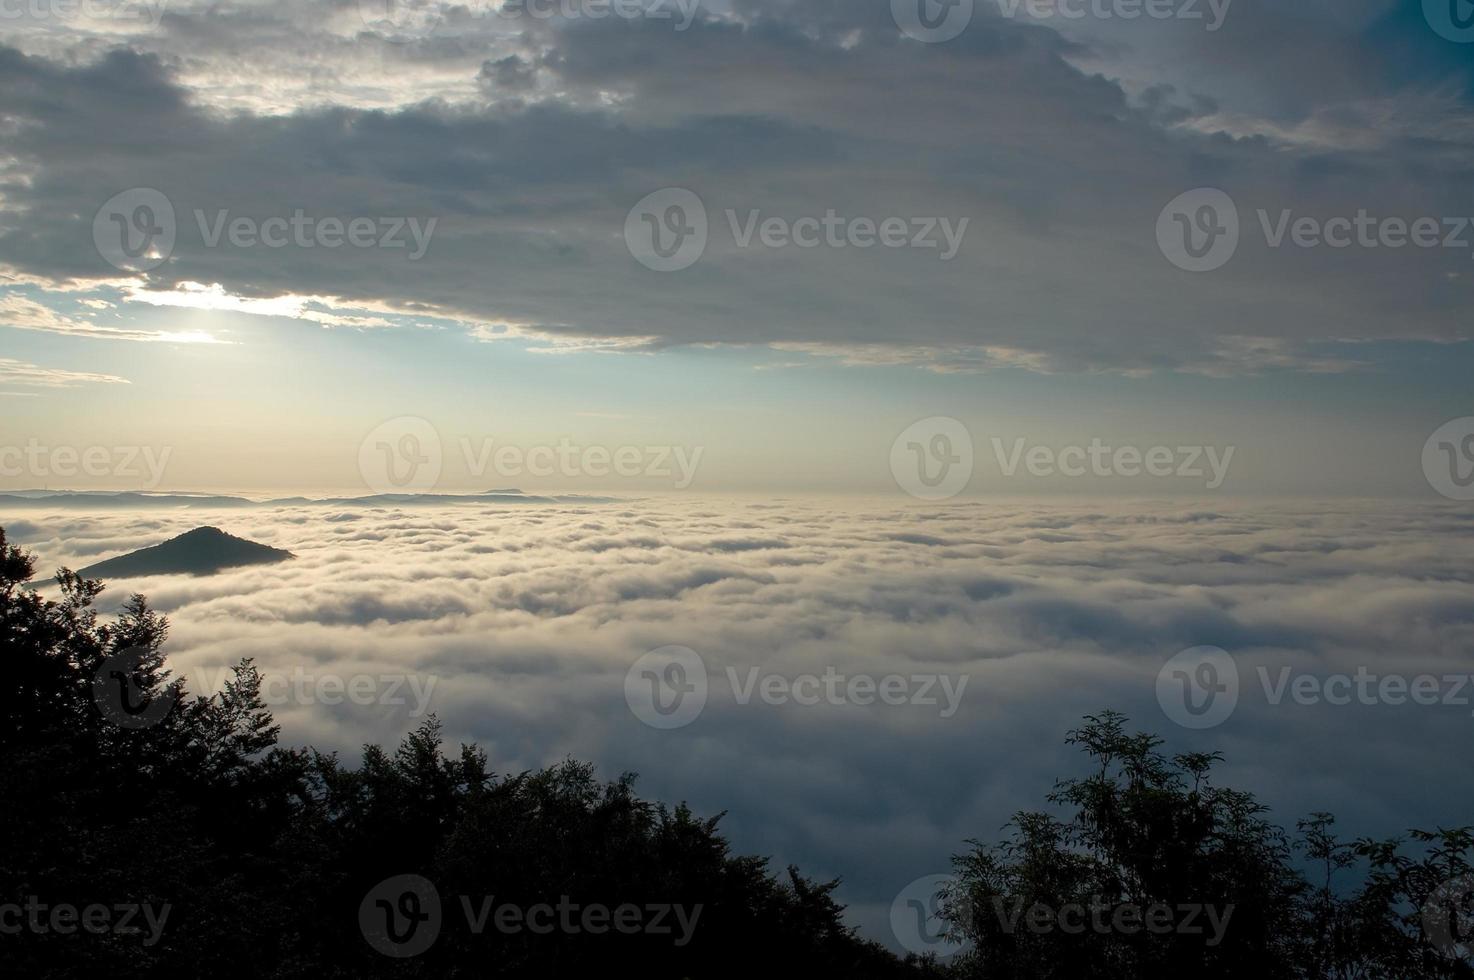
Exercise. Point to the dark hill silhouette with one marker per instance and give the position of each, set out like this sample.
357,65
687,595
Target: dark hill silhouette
121,500
203,551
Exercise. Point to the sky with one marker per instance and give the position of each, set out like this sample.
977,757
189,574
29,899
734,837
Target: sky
1029,344
252,235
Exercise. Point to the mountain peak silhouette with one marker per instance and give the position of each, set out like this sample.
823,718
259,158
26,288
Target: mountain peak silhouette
202,551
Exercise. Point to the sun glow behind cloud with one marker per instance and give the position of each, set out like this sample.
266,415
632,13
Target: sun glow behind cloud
214,297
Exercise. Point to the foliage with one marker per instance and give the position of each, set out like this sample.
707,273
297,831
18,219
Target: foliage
263,854
1145,832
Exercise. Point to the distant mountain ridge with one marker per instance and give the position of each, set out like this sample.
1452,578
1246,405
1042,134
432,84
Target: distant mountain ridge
94,499
203,551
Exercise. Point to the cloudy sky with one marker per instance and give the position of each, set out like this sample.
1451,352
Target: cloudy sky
253,231
1026,342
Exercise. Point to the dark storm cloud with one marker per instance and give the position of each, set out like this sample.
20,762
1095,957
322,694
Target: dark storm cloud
529,142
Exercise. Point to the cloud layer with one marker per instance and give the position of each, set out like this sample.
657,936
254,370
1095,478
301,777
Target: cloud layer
519,626
530,140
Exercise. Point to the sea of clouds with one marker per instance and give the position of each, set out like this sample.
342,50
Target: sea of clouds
518,625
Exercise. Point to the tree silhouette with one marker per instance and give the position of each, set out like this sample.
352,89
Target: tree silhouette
1150,841
124,791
